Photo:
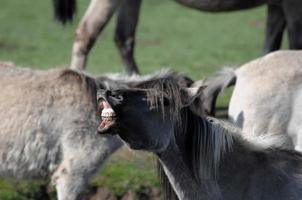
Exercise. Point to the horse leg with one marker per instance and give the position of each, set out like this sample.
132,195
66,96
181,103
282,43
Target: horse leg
293,14
69,187
275,25
82,157
125,33
95,19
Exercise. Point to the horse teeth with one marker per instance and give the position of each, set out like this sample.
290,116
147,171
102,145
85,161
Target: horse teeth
107,113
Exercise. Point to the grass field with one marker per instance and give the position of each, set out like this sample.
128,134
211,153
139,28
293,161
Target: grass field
169,35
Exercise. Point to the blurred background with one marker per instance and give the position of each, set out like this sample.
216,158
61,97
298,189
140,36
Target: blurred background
168,36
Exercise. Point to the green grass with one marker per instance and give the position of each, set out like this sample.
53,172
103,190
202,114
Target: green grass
168,35
121,176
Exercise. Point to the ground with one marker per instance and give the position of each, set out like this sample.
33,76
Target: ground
168,35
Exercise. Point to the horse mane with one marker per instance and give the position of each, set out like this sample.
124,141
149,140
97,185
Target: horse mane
202,143
163,73
141,80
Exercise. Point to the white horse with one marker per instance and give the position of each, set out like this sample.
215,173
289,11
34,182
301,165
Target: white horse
267,98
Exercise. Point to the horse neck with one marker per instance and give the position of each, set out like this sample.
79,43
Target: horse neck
202,182
188,182
181,178
230,167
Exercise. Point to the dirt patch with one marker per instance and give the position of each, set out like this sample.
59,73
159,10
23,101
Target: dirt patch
149,42
144,193
8,46
11,46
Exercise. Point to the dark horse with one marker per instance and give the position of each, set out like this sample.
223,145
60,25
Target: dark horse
202,158
281,13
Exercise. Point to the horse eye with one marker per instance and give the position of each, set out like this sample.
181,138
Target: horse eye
116,99
119,97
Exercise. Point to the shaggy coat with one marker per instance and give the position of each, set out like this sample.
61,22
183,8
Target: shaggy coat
48,128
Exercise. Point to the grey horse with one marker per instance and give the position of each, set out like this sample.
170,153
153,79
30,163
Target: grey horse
267,96
202,158
281,14
47,128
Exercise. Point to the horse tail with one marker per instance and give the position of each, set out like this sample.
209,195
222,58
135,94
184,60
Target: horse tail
215,85
64,10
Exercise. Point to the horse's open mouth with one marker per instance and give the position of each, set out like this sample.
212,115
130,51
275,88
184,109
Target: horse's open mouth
108,116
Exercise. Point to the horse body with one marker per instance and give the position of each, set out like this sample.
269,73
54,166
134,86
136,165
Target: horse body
203,158
266,98
267,95
281,14
48,128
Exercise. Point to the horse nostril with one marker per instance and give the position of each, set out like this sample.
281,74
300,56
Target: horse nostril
101,92
119,98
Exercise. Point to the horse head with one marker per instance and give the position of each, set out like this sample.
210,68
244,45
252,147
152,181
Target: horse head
145,118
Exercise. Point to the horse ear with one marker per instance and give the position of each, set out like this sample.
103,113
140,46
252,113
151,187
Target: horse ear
199,83
191,94
72,75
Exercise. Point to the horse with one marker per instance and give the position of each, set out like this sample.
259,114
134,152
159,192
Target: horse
48,126
266,98
201,157
281,14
